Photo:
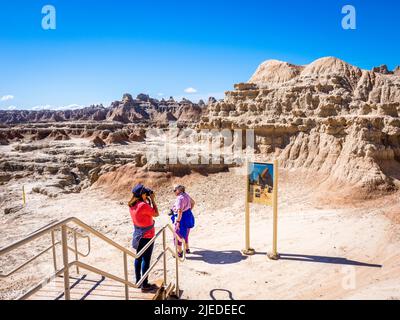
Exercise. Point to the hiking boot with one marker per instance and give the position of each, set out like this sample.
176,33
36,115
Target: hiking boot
146,288
180,254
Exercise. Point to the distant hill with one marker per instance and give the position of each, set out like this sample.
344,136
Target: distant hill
128,110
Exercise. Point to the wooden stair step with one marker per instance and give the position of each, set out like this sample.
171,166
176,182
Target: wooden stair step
89,287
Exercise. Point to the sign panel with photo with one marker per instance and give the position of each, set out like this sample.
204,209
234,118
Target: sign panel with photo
262,188
261,183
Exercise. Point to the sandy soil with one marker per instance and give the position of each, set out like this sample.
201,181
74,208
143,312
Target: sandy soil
330,250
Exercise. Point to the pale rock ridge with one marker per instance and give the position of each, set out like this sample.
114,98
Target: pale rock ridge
329,66
331,117
275,72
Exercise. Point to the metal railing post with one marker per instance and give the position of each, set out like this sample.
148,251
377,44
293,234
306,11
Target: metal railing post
53,242
126,277
65,270
165,257
64,243
176,265
76,252
23,196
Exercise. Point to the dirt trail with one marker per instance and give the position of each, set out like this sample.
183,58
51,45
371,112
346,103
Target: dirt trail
328,252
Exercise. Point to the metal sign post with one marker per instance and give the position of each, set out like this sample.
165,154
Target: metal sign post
261,193
247,250
274,255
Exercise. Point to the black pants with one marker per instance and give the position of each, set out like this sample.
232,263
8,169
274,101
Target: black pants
142,264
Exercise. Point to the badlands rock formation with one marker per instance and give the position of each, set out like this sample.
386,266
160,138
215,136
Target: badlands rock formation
142,109
328,116
67,151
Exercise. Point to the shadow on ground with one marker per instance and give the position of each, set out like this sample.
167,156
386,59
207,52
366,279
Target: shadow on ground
323,259
228,293
216,257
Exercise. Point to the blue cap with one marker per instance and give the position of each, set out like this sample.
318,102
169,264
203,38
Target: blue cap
138,190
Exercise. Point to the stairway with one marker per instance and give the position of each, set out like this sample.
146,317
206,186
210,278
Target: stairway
96,284
92,287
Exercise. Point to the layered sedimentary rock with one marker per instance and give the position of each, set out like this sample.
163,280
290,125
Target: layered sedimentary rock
143,109
328,116
69,156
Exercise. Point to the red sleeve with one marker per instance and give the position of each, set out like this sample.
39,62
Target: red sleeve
146,209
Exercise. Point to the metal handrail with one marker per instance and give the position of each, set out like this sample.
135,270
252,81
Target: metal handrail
52,227
76,233
82,236
67,265
27,262
2,275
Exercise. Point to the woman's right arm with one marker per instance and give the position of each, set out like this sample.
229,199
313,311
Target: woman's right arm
154,205
192,203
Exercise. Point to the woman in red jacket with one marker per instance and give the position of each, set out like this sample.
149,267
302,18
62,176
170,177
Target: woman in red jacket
143,208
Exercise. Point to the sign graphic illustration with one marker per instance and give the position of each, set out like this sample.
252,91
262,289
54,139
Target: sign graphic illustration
261,183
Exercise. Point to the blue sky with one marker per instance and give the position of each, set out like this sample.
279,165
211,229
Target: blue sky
102,49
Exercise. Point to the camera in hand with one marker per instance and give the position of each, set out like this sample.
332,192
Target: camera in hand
140,189
148,192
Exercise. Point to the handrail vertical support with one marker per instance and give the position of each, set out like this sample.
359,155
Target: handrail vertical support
176,266
23,196
64,242
63,268
126,277
53,242
165,258
76,251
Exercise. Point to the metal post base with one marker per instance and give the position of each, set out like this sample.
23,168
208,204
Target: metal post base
273,256
249,252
